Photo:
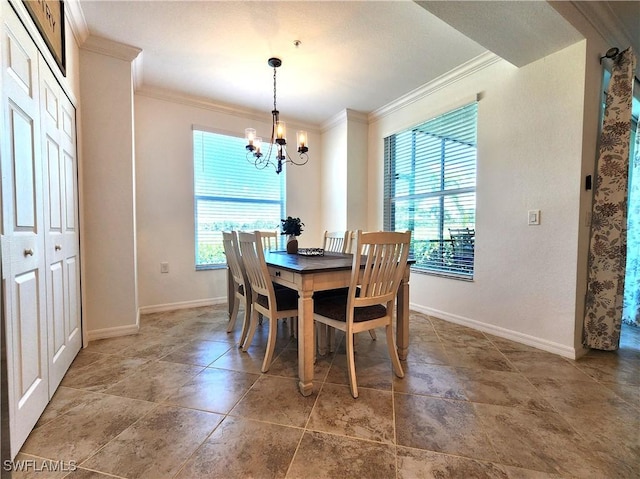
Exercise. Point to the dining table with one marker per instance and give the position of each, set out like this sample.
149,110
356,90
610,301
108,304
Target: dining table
309,274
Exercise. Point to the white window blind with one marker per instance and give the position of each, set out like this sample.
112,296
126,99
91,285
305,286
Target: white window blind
430,189
230,194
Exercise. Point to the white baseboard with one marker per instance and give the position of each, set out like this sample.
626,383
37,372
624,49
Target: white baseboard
114,332
159,308
532,341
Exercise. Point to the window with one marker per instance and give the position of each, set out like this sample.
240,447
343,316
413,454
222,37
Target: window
430,189
230,194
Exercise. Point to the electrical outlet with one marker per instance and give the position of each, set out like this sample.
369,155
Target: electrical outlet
164,267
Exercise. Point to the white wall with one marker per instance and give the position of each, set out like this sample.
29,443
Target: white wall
334,173
108,213
530,127
164,196
357,205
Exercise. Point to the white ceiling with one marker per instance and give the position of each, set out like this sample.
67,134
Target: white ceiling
359,55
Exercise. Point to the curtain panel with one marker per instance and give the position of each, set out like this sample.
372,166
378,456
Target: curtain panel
607,248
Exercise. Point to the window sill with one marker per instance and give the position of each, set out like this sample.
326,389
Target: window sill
444,274
207,267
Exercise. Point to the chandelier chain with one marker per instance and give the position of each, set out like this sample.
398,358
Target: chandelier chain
274,89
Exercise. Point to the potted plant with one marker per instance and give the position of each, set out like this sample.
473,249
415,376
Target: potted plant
291,227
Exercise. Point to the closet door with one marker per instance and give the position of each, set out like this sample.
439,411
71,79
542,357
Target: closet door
23,257
57,117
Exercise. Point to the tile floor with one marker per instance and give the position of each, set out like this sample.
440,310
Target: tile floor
180,400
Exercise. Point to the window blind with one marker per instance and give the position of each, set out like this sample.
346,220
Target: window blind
430,189
230,193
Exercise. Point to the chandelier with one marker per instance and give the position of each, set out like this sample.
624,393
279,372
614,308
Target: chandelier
278,138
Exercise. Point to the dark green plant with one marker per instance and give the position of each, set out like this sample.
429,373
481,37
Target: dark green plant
291,226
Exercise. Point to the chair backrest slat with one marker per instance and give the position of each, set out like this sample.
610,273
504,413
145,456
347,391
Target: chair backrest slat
335,241
234,261
254,263
385,256
269,240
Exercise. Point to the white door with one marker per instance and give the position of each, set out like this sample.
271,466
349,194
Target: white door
57,117
23,257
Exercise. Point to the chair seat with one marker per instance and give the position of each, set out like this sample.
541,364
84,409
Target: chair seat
330,293
336,308
286,299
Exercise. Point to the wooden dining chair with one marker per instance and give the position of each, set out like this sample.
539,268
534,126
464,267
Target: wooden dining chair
370,302
335,241
273,303
269,240
350,241
241,287
341,242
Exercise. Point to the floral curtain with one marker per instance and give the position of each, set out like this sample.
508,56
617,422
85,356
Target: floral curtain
608,242
631,301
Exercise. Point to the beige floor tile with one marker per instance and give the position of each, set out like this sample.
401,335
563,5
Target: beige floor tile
85,428
441,425
478,354
326,456
503,388
154,381
214,390
610,367
471,405
119,344
286,365
241,448
631,394
86,357
81,473
237,360
26,466
430,380
544,365
157,445
371,371
102,374
276,400
420,464
539,440
198,352
370,416
430,352
64,400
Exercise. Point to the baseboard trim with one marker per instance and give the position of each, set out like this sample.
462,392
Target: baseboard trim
114,332
159,308
532,341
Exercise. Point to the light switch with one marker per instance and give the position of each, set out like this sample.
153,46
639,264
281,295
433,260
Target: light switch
534,217
164,267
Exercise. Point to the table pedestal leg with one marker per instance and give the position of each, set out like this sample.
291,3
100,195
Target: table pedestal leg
402,318
306,342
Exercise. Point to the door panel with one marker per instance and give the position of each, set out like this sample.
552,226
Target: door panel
24,267
62,241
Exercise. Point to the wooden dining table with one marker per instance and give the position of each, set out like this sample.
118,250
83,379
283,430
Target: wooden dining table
308,274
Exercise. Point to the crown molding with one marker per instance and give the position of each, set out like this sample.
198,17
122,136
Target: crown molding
205,104
110,48
605,22
74,14
344,116
474,65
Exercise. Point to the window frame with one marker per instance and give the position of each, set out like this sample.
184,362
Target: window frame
218,196
460,267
